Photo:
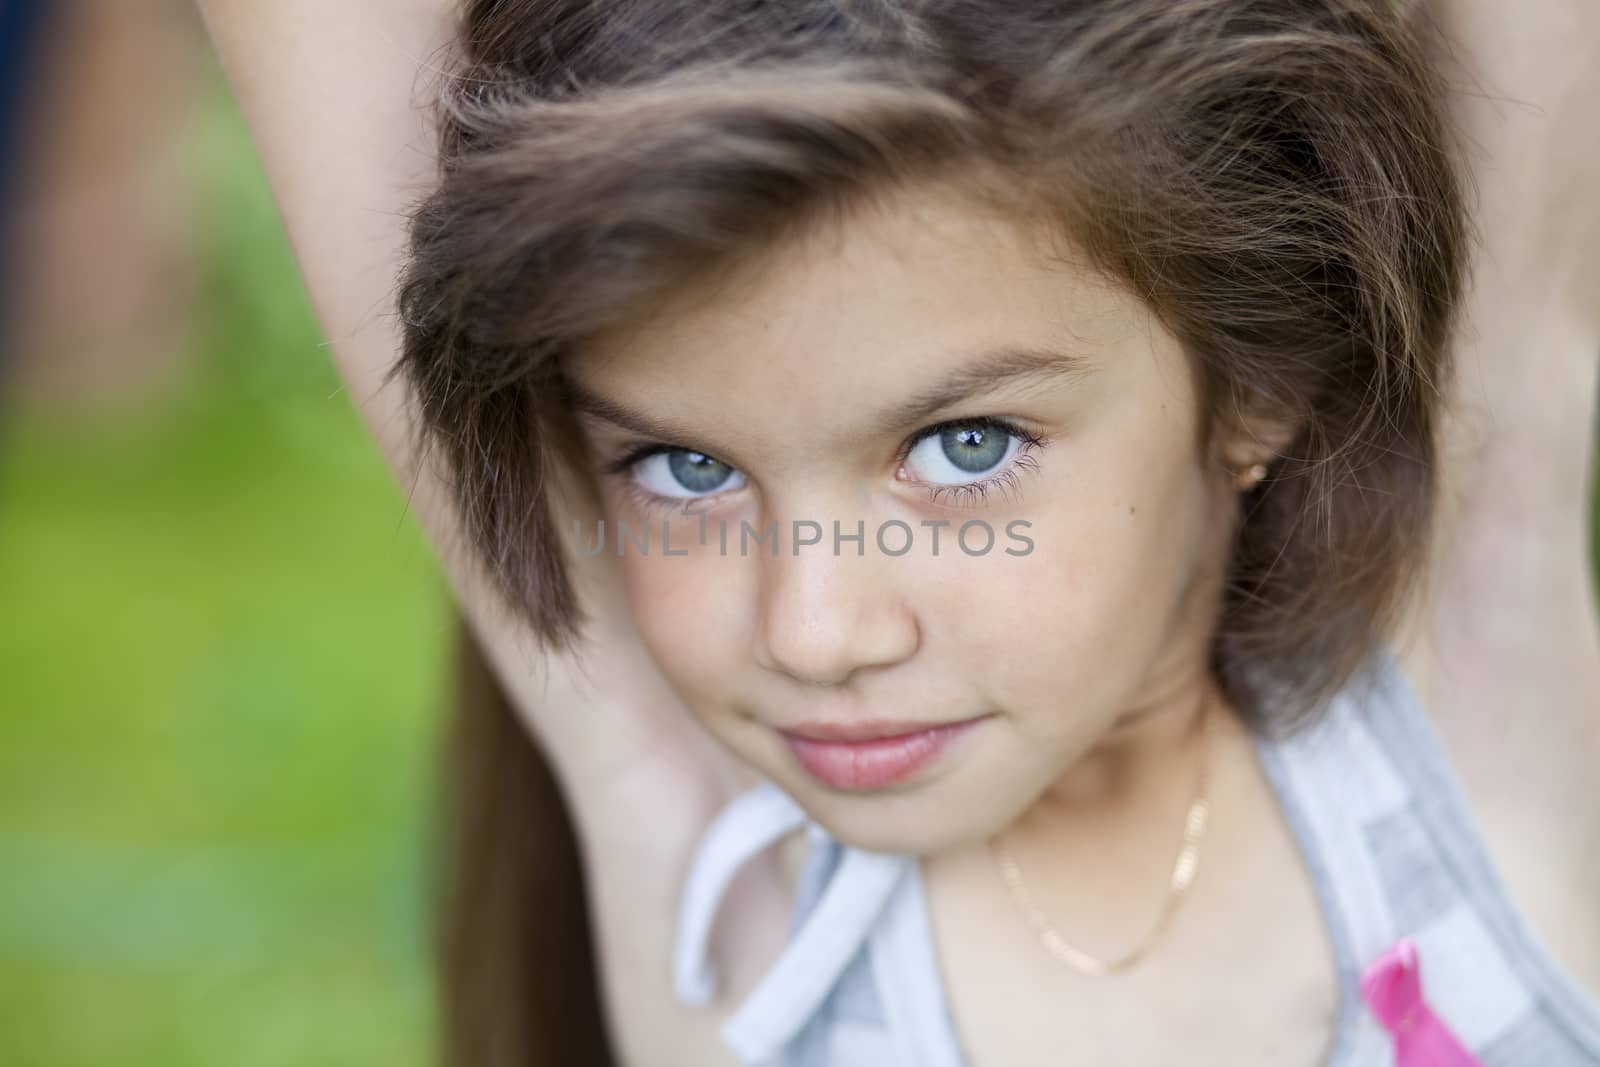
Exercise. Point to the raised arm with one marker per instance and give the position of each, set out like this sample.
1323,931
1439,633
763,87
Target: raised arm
1511,622
335,96
1506,643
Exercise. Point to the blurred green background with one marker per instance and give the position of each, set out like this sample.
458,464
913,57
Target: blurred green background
223,673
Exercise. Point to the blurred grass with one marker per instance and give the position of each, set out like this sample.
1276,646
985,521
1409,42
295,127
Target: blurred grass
223,665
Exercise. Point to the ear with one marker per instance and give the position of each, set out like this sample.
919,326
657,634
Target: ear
1247,440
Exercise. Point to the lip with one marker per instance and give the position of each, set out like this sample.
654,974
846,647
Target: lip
869,730
865,756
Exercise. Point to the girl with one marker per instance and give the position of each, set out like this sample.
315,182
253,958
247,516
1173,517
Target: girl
1164,288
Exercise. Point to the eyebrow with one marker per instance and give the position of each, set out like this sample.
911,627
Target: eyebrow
1008,365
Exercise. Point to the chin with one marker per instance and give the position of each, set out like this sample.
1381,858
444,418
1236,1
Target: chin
915,821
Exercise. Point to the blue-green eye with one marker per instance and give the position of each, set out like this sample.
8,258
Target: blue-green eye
681,474
961,452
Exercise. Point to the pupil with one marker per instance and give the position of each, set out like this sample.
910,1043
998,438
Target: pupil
697,471
973,448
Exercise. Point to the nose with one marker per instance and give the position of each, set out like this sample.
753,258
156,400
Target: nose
823,618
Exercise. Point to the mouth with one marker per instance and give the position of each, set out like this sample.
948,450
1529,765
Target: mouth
867,730
866,756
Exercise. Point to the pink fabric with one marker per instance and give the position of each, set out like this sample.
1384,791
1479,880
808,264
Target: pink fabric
1392,988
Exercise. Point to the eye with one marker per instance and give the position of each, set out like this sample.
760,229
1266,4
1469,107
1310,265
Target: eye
967,457
682,474
970,456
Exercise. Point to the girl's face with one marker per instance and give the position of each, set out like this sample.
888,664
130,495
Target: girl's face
920,368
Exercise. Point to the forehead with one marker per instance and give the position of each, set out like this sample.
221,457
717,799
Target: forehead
859,310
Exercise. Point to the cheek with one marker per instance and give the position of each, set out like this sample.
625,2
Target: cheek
682,606
1068,634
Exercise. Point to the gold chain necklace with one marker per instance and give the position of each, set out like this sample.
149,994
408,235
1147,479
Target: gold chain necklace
1183,872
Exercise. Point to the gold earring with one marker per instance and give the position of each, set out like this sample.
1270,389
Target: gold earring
1249,478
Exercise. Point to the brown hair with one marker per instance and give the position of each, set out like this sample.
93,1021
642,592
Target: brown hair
518,977
1273,177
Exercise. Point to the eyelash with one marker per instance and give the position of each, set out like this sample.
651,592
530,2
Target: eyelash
965,492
